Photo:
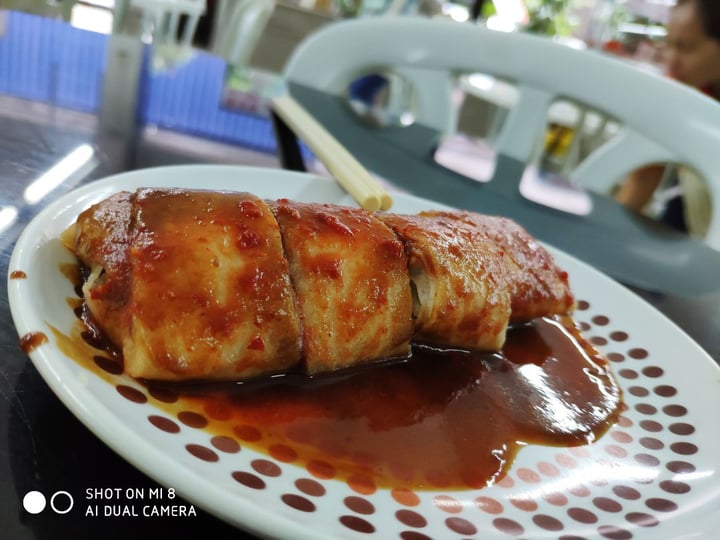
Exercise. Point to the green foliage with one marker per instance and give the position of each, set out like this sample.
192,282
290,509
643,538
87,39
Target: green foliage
551,17
348,8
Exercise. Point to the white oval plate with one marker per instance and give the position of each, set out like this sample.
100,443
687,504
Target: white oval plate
653,475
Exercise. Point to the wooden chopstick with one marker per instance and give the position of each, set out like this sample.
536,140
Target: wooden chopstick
347,170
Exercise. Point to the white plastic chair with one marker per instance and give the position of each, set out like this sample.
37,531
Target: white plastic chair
161,18
240,25
661,121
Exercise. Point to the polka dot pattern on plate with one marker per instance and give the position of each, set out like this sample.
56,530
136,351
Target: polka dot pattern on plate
653,442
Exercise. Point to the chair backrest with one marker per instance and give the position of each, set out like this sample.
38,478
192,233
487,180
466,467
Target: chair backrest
239,29
661,120
162,19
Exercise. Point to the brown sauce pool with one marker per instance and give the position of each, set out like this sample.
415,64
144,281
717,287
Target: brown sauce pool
444,418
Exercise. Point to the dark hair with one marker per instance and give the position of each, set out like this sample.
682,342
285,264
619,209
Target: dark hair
709,11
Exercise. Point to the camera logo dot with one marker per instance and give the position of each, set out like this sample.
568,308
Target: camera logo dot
61,502
35,502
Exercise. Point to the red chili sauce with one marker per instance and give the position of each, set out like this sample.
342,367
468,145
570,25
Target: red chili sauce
31,341
445,418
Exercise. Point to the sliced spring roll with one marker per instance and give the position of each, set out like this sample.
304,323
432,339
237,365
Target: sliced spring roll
538,288
194,284
100,239
351,278
200,289
461,297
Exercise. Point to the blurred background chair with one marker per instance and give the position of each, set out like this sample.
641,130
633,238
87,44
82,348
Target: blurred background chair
240,25
659,120
162,19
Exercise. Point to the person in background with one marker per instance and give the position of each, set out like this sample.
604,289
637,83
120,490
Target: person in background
692,57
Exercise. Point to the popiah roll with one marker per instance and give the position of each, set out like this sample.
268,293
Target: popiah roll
201,285
350,275
197,287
